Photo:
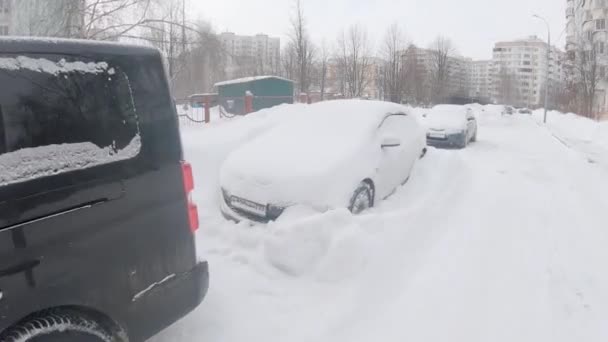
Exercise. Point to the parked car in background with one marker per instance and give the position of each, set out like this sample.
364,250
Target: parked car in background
508,110
346,153
525,111
451,126
96,221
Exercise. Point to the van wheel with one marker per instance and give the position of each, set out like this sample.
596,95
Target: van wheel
362,199
59,327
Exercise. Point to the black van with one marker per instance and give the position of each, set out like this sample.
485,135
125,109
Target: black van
96,221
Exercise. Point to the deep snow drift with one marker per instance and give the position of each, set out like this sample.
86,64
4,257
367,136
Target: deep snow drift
503,241
584,135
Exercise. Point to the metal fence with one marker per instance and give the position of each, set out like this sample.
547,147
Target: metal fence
194,112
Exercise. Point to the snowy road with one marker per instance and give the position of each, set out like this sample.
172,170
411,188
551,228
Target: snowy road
504,241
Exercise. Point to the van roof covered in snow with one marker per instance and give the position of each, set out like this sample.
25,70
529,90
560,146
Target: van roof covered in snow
68,46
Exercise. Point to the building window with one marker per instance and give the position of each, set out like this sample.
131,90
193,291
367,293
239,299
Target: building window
602,72
5,6
600,24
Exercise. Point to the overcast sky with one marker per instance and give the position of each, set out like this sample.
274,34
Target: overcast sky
473,25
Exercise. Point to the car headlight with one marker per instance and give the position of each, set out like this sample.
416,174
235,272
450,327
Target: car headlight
273,211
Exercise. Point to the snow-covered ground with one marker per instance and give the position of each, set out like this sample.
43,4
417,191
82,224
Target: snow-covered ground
584,135
503,241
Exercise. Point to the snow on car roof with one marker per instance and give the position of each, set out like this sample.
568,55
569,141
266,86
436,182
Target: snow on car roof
249,79
317,136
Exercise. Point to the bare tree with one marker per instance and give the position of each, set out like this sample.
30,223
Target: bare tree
588,73
289,61
441,51
302,46
394,70
355,60
203,63
322,68
87,19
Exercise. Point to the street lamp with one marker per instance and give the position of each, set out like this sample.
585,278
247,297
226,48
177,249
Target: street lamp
548,58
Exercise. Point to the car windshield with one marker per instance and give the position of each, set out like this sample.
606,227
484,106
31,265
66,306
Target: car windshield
351,171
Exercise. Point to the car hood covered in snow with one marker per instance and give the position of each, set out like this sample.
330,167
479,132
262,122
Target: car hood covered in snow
449,118
314,159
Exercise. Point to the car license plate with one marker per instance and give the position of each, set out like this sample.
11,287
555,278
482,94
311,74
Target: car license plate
249,206
437,135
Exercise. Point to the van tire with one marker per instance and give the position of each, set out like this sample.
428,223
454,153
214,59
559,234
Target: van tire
59,327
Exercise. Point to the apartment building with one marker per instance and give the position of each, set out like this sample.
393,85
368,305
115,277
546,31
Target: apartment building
56,18
587,22
5,17
519,68
481,79
251,55
459,82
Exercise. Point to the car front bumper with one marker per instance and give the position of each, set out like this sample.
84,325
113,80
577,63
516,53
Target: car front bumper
238,215
452,140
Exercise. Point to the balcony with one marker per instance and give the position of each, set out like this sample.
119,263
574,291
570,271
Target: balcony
569,12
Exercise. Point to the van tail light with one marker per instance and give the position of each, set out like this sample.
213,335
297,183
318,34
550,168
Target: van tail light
188,187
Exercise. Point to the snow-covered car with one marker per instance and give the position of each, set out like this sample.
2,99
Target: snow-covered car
524,111
451,126
336,154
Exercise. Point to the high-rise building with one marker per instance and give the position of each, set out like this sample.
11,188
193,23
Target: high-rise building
587,22
459,81
251,55
5,17
481,79
519,68
459,71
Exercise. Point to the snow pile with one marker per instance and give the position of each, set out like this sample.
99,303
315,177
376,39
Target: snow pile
584,135
601,134
30,163
504,241
54,68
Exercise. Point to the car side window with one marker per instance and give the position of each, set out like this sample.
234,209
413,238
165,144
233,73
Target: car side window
63,114
393,126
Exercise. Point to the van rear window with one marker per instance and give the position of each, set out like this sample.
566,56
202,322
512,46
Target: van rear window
60,114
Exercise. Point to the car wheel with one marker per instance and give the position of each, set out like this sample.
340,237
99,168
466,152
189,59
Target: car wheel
362,199
464,140
474,138
59,327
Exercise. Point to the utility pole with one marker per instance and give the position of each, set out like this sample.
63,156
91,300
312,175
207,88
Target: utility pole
548,59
